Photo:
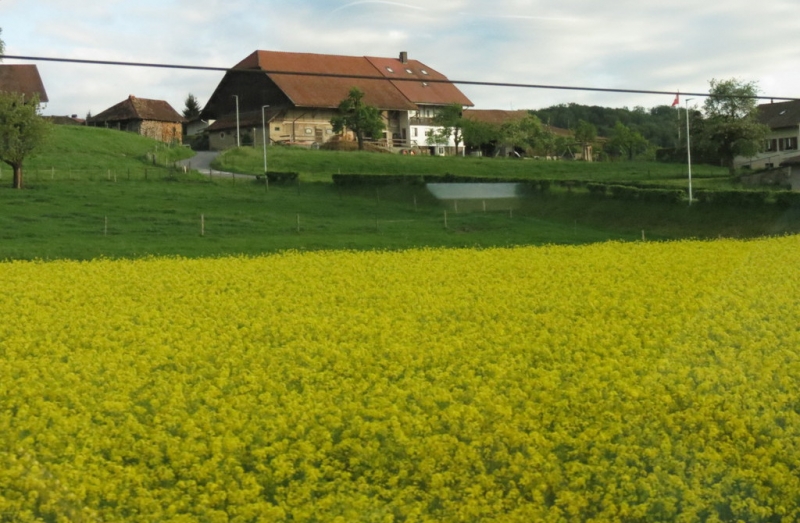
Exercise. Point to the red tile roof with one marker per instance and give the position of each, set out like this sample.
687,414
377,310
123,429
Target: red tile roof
23,79
500,116
133,108
344,72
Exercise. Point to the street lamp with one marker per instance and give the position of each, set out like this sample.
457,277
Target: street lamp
689,150
264,136
237,120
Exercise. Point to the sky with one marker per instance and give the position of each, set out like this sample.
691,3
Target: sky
619,44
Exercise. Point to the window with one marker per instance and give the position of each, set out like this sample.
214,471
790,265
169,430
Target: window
409,71
389,69
309,130
277,127
788,144
423,71
414,132
772,145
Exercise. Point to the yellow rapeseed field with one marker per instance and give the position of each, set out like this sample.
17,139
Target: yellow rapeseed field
612,382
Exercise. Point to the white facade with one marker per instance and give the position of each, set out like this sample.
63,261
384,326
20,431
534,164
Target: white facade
420,127
780,145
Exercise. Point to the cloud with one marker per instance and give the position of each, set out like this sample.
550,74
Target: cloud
626,44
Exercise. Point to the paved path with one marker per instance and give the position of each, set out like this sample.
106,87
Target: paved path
201,162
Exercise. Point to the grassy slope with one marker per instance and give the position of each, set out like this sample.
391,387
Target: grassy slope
79,209
319,165
74,152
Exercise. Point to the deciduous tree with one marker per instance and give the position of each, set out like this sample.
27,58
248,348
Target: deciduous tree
450,119
731,125
364,120
626,141
22,129
524,133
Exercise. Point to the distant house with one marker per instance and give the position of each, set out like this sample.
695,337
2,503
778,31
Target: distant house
23,79
152,118
66,120
295,95
783,120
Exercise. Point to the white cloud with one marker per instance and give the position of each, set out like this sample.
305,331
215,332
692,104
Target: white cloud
618,44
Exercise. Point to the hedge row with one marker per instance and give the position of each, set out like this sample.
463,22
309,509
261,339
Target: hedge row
739,198
626,192
629,191
376,180
282,178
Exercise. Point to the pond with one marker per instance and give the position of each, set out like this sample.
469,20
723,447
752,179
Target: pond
473,191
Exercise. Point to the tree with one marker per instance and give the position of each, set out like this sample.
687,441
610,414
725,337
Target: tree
731,126
450,119
525,132
626,141
480,135
354,114
22,129
585,134
192,109
2,46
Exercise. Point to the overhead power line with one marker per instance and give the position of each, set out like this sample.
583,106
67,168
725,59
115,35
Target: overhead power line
367,77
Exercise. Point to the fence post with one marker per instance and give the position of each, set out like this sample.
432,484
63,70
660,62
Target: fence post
445,219
202,225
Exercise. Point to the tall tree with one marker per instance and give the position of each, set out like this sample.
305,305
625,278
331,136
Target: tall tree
364,120
480,135
192,109
731,125
22,129
2,46
585,134
626,141
525,132
450,119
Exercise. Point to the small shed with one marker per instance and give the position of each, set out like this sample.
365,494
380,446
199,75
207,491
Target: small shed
152,118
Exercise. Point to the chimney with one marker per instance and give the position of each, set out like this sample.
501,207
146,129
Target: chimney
403,57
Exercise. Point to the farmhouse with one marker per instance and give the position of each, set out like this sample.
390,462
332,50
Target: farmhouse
152,118
783,119
23,79
295,95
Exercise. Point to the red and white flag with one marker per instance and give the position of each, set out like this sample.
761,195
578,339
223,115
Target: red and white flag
677,99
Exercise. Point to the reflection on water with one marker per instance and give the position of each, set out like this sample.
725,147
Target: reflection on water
473,191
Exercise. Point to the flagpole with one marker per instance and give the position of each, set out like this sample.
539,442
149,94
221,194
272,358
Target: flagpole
677,97
689,150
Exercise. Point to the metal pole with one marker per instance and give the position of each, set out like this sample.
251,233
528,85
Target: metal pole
237,120
264,136
689,150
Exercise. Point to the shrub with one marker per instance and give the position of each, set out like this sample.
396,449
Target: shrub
282,178
787,198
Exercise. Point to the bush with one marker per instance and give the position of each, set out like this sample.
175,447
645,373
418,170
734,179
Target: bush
597,189
787,198
737,198
358,180
282,178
